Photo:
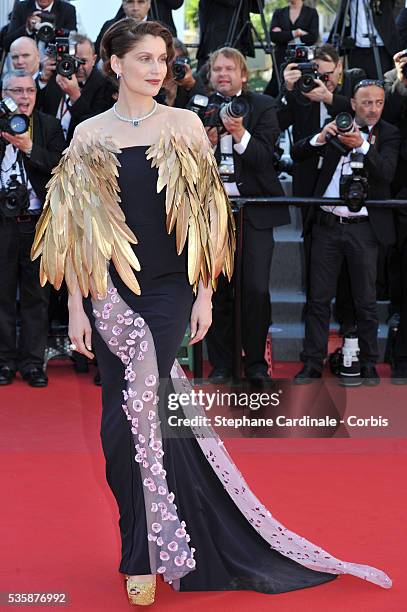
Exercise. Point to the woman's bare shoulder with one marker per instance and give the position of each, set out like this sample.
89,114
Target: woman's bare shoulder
179,117
100,124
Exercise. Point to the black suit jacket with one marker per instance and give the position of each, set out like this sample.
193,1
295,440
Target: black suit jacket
215,17
380,163
48,145
254,170
96,97
65,17
306,121
401,25
384,23
161,10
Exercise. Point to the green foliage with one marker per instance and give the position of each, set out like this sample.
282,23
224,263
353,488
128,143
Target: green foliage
191,14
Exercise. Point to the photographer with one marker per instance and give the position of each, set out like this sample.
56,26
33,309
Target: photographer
27,160
368,22
307,112
349,232
244,148
185,83
26,17
85,93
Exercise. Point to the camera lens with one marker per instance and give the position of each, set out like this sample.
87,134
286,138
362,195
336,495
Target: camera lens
306,83
344,122
45,32
66,67
18,124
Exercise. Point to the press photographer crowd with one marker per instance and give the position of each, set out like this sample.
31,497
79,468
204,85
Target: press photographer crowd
342,106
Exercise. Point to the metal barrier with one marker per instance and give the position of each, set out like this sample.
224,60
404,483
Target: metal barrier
238,205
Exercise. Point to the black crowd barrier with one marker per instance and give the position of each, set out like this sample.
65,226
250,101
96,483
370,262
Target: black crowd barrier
238,205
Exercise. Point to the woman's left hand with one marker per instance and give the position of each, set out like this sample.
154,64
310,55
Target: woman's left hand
201,315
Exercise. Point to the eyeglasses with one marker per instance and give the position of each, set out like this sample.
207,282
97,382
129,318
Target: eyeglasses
19,91
368,83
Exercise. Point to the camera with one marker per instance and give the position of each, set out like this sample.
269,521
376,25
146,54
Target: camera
303,56
14,198
11,122
45,30
344,123
299,54
63,51
214,109
353,188
179,67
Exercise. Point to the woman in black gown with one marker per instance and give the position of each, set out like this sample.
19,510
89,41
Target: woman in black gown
171,491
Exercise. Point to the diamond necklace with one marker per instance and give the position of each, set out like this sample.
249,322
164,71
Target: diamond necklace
137,120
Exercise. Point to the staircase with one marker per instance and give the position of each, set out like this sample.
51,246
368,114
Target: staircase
288,298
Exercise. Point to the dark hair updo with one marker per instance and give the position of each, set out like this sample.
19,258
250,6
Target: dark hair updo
123,35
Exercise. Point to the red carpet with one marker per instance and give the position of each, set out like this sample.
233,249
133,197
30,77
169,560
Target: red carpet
58,518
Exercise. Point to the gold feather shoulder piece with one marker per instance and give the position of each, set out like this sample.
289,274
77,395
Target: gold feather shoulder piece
197,205
82,226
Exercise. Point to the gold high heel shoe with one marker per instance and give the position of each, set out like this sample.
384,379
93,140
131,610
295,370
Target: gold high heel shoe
140,593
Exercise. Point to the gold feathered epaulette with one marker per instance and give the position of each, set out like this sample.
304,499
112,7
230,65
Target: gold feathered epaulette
196,202
82,226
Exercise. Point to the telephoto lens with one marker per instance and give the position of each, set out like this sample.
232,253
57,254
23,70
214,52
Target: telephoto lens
344,123
238,107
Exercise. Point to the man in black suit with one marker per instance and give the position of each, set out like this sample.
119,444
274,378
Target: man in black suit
338,233
25,17
28,159
307,113
247,148
379,23
215,17
85,94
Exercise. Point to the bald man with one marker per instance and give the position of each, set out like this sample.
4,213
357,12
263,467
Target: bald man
25,55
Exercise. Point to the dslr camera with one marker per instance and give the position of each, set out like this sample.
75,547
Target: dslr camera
214,109
353,188
45,31
11,122
63,51
179,67
14,198
303,56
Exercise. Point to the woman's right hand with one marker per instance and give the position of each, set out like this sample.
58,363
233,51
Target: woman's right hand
80,331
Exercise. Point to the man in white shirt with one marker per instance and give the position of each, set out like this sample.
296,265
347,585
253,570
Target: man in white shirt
244,151
339,233
368,23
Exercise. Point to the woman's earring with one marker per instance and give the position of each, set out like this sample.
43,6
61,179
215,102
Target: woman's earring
118,75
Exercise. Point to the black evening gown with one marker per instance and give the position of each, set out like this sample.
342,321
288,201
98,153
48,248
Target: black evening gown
229,553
